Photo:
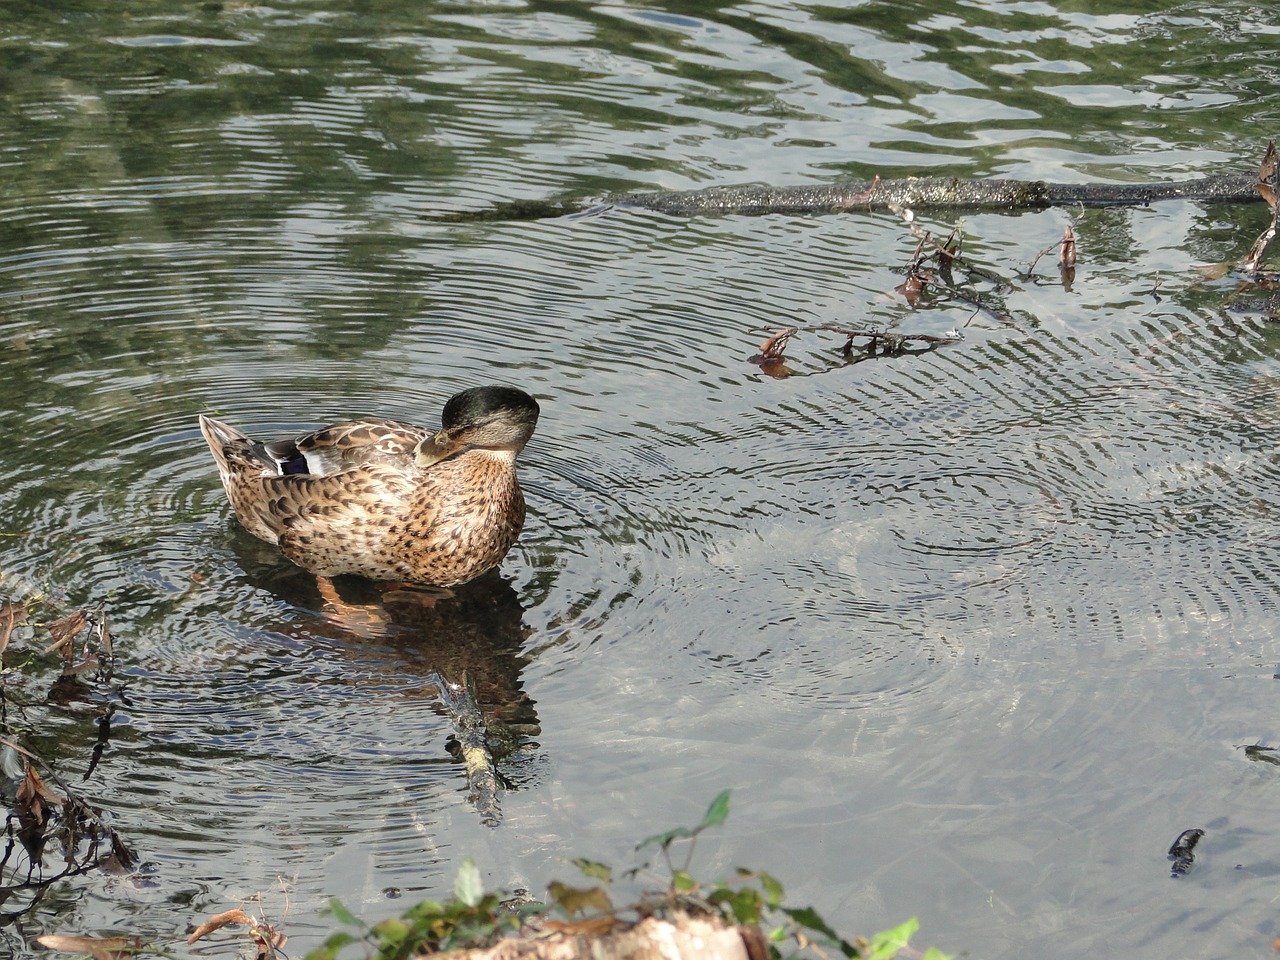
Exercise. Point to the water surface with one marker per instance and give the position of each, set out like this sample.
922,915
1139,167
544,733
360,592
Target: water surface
972,633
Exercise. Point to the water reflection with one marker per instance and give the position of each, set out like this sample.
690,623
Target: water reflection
963,629
463,649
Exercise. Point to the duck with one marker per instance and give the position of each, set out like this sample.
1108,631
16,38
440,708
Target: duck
387,500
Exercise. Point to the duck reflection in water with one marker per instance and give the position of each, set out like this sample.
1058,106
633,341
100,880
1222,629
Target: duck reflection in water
467,645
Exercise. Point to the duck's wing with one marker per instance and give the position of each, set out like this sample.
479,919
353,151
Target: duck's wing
346,446
326,524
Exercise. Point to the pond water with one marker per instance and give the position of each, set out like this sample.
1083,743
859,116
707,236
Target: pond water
972,633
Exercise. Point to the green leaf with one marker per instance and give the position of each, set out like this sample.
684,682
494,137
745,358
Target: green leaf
933,953
332,945
342,914
717,812
393,930
808,917
773,892
423,910
746,907
526,911
468,887
665,839
886,944
594,870
683,881
715,815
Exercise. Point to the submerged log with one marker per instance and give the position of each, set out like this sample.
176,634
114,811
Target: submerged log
917,193
950,193
472,746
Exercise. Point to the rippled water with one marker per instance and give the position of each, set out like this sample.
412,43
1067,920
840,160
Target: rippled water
973,633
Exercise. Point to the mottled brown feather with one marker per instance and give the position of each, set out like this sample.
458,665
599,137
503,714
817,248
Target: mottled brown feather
357,442
375,511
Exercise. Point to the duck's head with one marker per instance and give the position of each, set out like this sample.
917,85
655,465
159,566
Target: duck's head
500,419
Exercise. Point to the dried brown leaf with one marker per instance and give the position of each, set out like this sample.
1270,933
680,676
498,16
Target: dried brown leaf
910,288
34,797
774,347
220,920
596,927
104,633
1067,252
1215,271
1267,172
579,899
90,662
11,614
268,939
100,948
64,630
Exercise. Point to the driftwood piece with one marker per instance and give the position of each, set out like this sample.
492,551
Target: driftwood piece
949,193
472,746
919,193
687,938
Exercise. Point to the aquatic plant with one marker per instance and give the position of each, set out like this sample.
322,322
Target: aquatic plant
750,906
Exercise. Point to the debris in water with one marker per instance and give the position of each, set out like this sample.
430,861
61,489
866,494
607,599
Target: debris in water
1181,851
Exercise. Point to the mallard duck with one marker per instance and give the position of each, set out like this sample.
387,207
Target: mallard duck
387,500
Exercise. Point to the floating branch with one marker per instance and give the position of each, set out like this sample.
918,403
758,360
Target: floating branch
884,342
1267,175
919,193
936,193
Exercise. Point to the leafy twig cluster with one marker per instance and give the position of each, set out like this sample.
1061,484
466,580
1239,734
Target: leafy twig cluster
751,901
51,831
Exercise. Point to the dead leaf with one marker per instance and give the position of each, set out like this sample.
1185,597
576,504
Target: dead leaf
268,940
575,900
774,347
910,288
90,662
1067,253
34,797
1214,271
64,630
100,948
1267,172
596,927
104,634
220,920
11,614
